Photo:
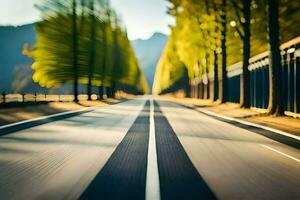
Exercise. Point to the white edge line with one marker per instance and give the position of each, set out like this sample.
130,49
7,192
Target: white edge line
281,153
255,125
152,178
249,124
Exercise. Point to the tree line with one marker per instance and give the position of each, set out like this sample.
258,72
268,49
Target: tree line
210,35
84,42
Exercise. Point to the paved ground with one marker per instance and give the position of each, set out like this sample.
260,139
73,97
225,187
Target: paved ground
16,112
254,115
234,162
58,160
139,149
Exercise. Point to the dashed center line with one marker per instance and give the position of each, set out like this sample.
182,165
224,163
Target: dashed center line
281,153
152,180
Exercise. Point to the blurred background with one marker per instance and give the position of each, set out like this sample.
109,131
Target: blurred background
144,25
239,51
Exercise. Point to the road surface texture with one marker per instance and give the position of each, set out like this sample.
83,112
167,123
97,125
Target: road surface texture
145,149
234,162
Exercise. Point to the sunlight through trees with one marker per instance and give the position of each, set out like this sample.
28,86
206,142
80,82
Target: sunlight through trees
211,36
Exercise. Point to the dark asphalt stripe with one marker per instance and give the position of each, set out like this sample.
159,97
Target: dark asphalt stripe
179,179
124,174
30,124
292,142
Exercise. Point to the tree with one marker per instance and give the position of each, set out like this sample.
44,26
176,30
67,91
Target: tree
200,30
243,13
276,98
194,41
216,57
169,69
79,49
91,49
223,91
75,49
105,26
116,64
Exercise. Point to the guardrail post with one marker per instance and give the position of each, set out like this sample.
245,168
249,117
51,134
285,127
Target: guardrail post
264,88
23,97
284,79
195,90
297,88
295,82
292,63
208,86
260,88
202,89
4,97
251,87
255,88
288,84
191,91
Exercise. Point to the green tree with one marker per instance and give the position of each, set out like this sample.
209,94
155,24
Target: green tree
81,48
91,49
243,16
75,49
224,85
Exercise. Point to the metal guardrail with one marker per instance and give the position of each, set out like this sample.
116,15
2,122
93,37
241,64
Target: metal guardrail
259,78
15,98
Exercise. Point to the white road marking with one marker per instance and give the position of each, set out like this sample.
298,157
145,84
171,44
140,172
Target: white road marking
62,165
152,179
248,123
281,153
48,117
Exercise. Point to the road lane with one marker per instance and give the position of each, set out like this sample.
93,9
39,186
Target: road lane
58,160
235,162
124,174
208,158
152,182
178,177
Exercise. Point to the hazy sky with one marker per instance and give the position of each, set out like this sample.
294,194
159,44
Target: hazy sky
141,17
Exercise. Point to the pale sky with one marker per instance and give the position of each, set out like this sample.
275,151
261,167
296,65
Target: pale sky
141,17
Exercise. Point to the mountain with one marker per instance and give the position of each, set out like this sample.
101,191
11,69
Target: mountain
148,53
12,61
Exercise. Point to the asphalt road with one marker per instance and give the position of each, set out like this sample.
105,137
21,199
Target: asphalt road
141,149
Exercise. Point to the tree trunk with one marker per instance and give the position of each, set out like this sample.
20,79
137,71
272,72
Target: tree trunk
116,62
275,71
108,92
216,76
4,97
113,89
245,79
101,92
101,89
223,89
82,22
75,50
216,66
92,51
207,77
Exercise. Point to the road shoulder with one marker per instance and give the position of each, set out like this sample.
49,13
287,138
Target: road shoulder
24,117
249,119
